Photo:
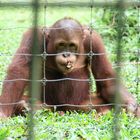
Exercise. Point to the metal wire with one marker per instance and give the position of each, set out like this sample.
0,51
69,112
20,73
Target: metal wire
138,53
66,3
55,54
44,57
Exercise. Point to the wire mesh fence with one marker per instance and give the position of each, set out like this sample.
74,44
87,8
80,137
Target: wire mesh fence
38,62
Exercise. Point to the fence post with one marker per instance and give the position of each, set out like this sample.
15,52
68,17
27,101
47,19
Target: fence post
35,70
120,30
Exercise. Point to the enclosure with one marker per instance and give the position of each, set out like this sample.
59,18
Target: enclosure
118,22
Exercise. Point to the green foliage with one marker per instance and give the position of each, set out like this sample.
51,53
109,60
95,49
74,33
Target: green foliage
71,126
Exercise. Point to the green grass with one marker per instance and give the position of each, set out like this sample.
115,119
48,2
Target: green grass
71,126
